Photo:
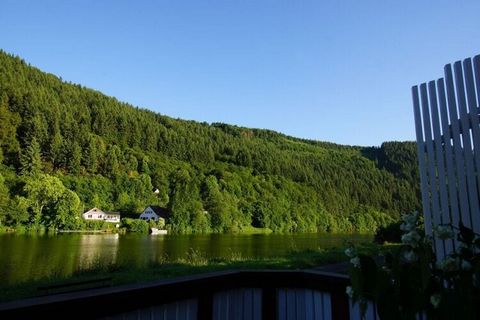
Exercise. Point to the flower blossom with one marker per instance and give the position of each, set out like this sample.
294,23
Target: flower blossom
435,300
412,238
444,232
350,252
410,256
465,265
448,264
356,262
349,291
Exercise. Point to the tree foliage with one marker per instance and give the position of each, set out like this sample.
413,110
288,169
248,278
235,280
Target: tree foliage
212,177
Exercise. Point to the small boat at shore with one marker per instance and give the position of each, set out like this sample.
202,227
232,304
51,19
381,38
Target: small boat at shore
156,231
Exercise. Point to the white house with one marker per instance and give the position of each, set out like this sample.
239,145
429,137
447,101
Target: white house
112,216
154,213
97,214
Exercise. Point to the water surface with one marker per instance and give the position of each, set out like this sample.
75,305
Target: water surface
25,257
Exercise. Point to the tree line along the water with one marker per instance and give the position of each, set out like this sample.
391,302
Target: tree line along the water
65,148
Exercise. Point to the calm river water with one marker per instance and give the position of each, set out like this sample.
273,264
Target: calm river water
25,257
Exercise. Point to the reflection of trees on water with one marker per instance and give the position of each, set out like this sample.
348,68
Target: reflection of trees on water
97,250
26,257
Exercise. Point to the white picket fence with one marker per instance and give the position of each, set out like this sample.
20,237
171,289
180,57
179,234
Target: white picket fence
448,139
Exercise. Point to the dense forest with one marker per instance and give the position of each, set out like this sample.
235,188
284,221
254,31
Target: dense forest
65,148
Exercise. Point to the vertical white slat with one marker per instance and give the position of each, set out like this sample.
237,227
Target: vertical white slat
442,183
309,308
227,304
221,305
157,312
421,162
300,303
432,175
457,146
354,311
370,313
291,304
231,305
282,304
172,310
185,309
161,312
476,72
179,310
216,307
193,308
145,313
473,105
257,304
451,178
239,304
247,304
475,125
327,306
317,305
467,144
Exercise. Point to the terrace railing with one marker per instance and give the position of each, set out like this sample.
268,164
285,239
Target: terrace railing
228,295
448,138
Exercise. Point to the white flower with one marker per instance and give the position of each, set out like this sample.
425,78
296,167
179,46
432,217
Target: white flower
463,245
410,218
448,264
435,300
349,291
444,232
410,256
356,262
407,227
412,238
466,265
350,252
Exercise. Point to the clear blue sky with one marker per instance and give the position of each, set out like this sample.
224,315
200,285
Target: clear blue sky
337,71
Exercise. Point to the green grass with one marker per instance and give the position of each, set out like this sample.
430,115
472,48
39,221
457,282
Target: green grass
253,230
193,263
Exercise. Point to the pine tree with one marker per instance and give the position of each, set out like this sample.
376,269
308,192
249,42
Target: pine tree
31,159
56,147
9,122
75,159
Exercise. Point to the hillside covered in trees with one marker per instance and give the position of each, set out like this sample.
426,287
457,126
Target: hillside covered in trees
66,148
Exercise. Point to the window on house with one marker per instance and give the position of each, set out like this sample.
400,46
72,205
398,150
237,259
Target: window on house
89,215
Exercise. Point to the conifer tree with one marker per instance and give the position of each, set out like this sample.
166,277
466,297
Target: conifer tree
75,159
31,159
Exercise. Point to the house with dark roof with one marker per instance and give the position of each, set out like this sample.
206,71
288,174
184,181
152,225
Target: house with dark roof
155,213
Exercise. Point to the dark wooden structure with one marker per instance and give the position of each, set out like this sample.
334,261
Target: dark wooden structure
75,286
301,294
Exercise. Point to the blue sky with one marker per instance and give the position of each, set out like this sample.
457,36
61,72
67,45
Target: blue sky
337,71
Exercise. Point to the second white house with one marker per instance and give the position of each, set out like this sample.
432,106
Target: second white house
97,214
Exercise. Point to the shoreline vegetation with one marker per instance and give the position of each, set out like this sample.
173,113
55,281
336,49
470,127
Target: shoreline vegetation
193,263
122,230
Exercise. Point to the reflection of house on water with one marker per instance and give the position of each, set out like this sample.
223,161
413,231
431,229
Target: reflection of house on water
97,250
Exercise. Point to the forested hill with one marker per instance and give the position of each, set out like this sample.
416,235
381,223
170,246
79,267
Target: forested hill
67,148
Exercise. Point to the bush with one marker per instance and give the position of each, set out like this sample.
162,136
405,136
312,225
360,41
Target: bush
160,224
411,281
390,233
99,225
135,225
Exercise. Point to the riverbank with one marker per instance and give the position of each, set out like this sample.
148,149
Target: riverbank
193,263
21,229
